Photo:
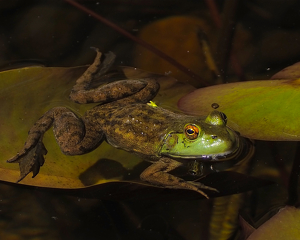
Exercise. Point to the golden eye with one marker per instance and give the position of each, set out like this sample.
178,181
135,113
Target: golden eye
191,131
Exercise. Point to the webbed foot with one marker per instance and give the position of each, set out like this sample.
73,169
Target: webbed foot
30,160
157,174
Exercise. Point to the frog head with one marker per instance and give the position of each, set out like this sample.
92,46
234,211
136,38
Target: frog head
206,139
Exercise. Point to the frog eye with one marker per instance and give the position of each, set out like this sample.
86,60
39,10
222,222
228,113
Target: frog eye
191,131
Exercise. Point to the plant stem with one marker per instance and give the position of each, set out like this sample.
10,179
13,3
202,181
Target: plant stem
141,42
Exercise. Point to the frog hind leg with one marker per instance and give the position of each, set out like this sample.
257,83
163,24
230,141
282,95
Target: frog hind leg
157,174
72,135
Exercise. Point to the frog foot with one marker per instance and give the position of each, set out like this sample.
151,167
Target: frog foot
30,160
202,186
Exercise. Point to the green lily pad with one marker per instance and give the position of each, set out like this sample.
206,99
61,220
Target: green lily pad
264,110
284,225
27,93
107,172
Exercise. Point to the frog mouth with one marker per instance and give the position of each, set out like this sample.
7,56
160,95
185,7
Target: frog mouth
225,156
220,162
175,146
199,166
216,157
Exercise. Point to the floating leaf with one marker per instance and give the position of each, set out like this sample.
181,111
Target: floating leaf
166,35
290,72
284,225
27,93
264,110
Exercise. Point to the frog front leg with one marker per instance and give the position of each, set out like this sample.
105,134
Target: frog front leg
157,174
128,90
74,136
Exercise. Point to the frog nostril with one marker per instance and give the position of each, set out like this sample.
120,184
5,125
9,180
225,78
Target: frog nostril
192,172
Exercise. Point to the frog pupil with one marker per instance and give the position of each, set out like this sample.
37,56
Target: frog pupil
190,131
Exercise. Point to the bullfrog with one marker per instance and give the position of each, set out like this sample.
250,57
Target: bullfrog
126,119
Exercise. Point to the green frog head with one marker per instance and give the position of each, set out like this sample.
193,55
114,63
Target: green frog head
205,139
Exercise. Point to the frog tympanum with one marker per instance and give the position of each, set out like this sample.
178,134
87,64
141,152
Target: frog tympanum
124,119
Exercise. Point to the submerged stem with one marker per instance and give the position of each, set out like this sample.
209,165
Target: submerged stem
140,41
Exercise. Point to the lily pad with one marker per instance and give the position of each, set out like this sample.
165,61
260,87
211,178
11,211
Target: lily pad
107,172
27,93
290,72
264,110
284,225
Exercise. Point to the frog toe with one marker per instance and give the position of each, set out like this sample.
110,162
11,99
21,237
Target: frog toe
30,161
202,186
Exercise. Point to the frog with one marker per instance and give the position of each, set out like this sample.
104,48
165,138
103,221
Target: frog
126,118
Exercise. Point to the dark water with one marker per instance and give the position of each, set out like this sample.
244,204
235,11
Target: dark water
57,34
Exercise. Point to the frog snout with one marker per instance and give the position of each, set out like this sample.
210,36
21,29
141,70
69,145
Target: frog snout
192,172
